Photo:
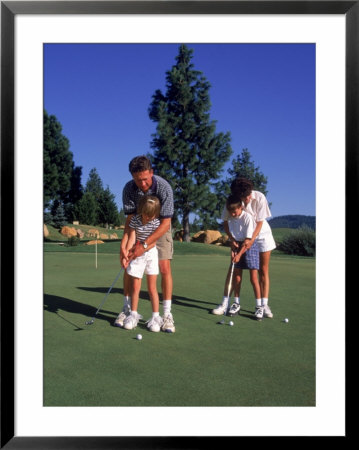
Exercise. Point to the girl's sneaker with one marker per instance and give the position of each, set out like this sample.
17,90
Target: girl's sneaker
168,323
268,312
131,320
259,312
155,323
234,309
221,309
122,316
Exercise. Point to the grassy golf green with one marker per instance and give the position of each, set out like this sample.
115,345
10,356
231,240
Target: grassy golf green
267,363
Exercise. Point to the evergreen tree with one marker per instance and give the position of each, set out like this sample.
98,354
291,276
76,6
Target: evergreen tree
187,150
57,161
58,215
62,179
107,213
86,209
242,167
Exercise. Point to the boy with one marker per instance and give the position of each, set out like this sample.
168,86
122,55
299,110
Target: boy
241,226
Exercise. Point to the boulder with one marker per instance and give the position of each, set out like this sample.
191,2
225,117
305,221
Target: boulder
113,236
46,231
92,232
80,233
68,231
103,236
207,236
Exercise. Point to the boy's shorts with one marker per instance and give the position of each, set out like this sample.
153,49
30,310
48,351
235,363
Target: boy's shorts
249,259
266,243
146,263
165,246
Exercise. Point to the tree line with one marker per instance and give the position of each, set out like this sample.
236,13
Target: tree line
186,148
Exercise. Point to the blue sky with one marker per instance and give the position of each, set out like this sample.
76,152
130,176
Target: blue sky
263,94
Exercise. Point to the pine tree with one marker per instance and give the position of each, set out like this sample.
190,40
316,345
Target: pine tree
187,150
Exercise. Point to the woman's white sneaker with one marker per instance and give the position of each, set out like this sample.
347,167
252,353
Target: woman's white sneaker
131,320
155,323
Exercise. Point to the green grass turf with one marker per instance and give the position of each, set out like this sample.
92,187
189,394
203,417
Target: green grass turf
267,363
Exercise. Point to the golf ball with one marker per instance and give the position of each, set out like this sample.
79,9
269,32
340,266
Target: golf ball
286,320
231,323
139,337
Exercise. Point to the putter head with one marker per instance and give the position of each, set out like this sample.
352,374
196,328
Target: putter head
90,322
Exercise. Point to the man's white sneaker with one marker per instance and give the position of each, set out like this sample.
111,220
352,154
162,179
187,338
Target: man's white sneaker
268,312
168,323
220,310
131,321
259,313
122,316
234,309
155,323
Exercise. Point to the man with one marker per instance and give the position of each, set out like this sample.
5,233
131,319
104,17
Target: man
144,182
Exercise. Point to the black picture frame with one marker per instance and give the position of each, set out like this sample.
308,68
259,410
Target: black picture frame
9,9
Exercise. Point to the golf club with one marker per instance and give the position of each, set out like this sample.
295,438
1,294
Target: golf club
230,285
90,322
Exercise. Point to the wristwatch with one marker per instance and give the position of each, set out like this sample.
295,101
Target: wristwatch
145,245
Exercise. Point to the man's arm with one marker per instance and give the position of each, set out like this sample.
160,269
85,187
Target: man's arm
138,250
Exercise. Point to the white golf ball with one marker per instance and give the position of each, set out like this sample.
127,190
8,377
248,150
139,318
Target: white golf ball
139,337
230,323
286,320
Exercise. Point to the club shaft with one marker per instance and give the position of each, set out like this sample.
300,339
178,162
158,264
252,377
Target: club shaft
112,285
230,281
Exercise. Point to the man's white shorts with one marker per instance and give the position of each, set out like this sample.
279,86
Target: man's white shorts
266,243
146,263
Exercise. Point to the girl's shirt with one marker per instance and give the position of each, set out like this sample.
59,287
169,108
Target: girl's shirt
143,230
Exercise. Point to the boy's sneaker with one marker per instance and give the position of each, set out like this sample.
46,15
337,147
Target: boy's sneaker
259,312
122,316
234,309
168,323
131,321
268,312
155,323
220,310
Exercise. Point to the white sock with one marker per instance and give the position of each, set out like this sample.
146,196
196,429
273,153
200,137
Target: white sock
237,300
225,300
167,306
264,301
155,314
258,302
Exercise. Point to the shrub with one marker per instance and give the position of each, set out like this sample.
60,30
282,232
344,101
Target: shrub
73,241
299,242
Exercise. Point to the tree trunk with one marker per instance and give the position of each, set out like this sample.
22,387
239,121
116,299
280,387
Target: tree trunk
185,224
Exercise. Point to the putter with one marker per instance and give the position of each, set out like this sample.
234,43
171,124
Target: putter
230,285
90,322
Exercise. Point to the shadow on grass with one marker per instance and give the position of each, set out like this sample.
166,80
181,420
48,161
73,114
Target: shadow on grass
56,304
176,299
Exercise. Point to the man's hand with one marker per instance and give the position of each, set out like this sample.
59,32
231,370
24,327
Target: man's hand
136,251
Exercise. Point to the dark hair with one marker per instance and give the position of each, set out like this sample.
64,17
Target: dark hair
149,205
233,202
241,187
139,164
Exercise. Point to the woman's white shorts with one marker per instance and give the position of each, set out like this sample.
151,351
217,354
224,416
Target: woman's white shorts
146,263
266,243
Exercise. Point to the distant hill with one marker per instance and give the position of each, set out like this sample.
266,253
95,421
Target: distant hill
292,221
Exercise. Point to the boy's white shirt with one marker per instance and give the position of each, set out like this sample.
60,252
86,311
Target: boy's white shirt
258,208
242,226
